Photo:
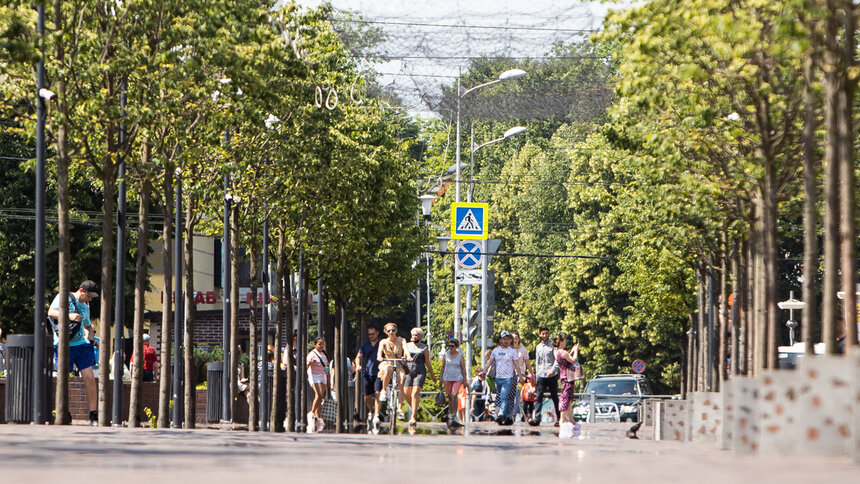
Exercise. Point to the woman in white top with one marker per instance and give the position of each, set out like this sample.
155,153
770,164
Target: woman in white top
453,375
316,366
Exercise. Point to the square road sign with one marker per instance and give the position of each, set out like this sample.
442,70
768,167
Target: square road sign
469,221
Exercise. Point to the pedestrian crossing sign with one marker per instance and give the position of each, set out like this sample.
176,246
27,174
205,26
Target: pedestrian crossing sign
469,221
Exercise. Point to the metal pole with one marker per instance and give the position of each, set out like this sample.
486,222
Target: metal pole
265,401
457,145
39,365
467,331
429,260
178,316
226,287
485,262
119,296
301,420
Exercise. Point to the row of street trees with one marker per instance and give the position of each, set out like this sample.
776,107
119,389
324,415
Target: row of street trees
183,95
677,208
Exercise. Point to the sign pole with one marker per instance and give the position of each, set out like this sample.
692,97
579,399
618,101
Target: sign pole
484,291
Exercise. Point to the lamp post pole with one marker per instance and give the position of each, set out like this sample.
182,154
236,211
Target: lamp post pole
39,344
265,401
226,287
119,297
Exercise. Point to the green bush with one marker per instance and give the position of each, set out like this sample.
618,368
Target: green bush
204,355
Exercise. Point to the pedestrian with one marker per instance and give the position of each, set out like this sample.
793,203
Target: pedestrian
417,370
317,363
368,365
546,369
150,360
453,376
481,390
528,395
81,339
524,366
4,359
508,374
392,347
566,361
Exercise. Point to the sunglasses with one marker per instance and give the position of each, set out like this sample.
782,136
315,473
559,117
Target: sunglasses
390,330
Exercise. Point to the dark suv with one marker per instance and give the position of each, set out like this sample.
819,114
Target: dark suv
618,398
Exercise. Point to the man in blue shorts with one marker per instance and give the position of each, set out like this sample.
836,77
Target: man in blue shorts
81,354
366,360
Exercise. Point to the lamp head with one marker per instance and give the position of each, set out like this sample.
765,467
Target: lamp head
443,243
453,168
515,131
512,74
426,205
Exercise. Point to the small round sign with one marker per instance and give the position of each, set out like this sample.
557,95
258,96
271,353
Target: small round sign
638,366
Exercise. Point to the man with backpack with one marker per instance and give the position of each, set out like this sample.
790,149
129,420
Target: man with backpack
81,339
546,368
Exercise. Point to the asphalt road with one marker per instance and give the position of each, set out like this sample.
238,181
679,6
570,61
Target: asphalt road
79,454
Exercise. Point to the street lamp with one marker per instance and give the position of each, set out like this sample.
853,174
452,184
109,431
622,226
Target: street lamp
512,132
507,75
426,205
791,304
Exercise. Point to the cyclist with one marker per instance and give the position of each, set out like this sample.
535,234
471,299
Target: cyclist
392,347
418,368
453,376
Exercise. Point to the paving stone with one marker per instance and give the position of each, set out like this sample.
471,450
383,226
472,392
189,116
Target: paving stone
727,394
671,420
745,426
705,416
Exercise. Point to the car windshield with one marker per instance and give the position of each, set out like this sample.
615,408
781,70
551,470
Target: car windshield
612,387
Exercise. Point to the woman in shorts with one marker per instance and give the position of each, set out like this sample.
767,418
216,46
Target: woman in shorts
417,371
392,347
316,365
453,375
566,360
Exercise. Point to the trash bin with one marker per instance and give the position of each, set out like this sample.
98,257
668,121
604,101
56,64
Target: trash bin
19,378
214,377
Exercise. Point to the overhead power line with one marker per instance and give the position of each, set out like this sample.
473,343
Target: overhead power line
465,26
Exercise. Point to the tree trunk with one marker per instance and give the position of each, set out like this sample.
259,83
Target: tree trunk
723,321
289,346
338,366
276,424
252,335
701,365
188,346
134,403
691,359
360,411
750,307
832,87
61,395
106,313
810,217
771,354
234,309
735,331
165,377
760,325
847,209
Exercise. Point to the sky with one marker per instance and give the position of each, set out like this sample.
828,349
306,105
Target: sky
429,42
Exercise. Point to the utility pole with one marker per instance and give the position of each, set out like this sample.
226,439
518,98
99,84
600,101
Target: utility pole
119,297
40,370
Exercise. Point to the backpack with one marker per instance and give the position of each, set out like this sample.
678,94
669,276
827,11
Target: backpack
74,326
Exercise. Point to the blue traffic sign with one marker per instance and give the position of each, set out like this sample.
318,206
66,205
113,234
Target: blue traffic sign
468,254
469,221
638,366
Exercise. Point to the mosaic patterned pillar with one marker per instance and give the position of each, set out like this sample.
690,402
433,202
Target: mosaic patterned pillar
745,426
727,393
706,416
670,420
777,414
825,406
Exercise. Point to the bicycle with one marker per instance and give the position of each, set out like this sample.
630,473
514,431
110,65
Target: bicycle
393,401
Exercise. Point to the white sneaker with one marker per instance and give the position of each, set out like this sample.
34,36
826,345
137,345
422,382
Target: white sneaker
383,396
320,424
311,423
375,425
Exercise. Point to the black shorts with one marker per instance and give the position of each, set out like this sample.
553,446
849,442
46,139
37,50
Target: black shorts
370,384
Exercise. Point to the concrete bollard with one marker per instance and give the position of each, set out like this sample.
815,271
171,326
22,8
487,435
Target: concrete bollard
855,367
824,406
724,439
705,416
669,420
776,411
745,426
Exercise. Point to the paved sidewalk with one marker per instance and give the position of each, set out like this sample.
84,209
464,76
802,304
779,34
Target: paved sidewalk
90,455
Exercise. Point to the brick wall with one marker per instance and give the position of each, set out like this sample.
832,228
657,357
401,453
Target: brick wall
208,326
